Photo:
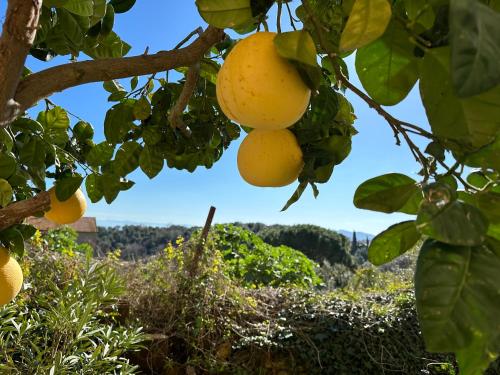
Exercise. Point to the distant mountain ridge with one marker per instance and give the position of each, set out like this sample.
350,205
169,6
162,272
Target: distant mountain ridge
120,223
317,243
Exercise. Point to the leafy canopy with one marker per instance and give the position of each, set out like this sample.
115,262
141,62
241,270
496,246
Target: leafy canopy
450,48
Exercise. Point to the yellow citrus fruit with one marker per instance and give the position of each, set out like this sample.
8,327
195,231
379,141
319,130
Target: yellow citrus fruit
270,158
258,88
11,277
68,211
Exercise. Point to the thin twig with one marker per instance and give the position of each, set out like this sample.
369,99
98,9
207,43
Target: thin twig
278,17
458,176
198,31
175,116
292,23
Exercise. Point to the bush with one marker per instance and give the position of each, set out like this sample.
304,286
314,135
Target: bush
318,244
210,324
63,240
255,263
64,321
188,317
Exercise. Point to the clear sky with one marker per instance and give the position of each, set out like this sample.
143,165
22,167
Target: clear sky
179,197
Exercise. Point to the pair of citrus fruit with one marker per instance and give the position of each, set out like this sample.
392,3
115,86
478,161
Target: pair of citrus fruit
60,212
259,89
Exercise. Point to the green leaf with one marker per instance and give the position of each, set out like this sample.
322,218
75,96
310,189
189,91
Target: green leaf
54,3
56,124
134,82
142,108
473,122
436,150
475,47
28,126
83,130
420,12
127,158
150,161
108,47
475,358
14,240
151,135
456,223
487,202
387,68
297,46
225,13
108,21
479,179
367,22
67,186
387,193
119,121
456,289
122,6
6,139
486,157
67,36
33,153
412,206
5,192
99,11
393,242
112,86
27,231
94,188
296,195
111,186
80,7
8,165
100,154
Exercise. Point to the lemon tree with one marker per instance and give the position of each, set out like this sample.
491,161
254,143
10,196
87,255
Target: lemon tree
448,50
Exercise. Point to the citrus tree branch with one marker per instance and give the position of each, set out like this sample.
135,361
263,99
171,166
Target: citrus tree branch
18,34
175,116
18,211
43,84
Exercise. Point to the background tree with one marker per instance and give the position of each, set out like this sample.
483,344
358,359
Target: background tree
451,47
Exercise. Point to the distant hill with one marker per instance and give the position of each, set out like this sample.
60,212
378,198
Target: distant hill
317,243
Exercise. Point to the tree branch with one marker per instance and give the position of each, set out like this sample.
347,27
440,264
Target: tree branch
42,84
175,116
18,211
18,34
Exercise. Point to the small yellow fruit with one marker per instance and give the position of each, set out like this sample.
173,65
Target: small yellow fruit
270,158
68,211
258,88
11,277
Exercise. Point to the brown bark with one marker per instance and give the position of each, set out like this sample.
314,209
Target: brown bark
18,34
18,211
198,252
41,85
175,116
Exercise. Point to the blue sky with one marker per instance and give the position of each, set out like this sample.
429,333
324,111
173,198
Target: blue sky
178,197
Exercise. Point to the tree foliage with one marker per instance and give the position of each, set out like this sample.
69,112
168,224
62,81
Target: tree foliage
450,47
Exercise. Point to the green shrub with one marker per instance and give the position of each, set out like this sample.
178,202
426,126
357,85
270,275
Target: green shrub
63,240
188,316
318,244
64,321
255,263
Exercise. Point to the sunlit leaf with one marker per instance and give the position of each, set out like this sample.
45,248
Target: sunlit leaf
367,22
393,242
